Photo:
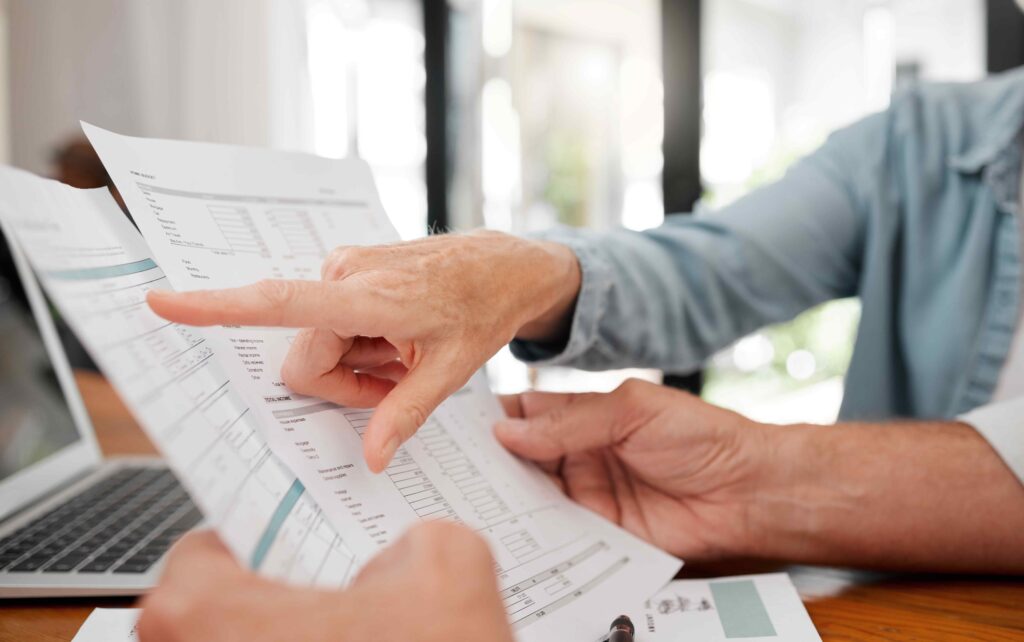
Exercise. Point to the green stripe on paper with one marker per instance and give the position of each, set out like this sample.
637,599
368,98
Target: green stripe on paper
274,525
741,611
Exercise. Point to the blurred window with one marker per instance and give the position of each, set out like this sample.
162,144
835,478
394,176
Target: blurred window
367,76
779,76
557,119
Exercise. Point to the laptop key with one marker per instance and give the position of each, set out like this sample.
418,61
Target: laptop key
98,565
30,565
64,564
116,524
134,567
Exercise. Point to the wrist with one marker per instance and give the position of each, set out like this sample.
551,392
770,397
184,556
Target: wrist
558,277
788,490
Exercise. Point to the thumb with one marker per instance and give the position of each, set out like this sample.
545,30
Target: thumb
556,425
406,408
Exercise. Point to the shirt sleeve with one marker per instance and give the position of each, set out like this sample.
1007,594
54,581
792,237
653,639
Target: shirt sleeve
670,297
1001,425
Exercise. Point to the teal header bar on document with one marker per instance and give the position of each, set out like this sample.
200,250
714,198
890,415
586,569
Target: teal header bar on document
106,272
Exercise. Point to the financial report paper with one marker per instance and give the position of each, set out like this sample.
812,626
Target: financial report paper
219,216
97,270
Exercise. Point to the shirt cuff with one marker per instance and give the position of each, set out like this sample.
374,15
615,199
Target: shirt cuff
1001,425
591,303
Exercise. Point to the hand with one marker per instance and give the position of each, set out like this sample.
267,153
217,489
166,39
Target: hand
400,327
435,584
661,463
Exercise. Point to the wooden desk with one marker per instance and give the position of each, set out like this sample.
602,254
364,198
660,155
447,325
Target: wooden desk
845,605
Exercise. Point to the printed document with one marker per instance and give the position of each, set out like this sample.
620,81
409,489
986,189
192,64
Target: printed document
754,608
220,216
109,625
96,269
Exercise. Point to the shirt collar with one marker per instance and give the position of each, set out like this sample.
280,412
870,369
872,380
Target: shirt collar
999,116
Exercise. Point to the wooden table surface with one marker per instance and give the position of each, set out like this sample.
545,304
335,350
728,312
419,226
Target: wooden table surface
844,604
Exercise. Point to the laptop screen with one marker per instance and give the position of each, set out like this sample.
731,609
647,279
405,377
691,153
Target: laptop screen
35,421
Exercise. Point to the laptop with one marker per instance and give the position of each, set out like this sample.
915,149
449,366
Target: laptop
71,522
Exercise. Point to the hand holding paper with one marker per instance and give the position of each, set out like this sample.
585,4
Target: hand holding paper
659,462
206,596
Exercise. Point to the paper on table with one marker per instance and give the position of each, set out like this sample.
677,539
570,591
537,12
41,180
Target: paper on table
109,625
755,608
96,268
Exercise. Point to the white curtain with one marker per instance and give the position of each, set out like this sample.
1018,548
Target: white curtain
5,127
217,70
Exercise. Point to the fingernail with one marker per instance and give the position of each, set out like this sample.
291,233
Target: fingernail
388,450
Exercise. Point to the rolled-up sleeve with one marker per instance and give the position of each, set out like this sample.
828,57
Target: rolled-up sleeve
670,297
1002,425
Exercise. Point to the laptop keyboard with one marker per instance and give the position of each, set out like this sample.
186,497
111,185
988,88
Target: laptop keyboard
123,523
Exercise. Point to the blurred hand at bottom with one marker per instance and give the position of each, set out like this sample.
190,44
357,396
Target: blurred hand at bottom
435,584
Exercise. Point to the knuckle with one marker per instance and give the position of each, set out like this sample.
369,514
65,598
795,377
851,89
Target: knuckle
632,389
340,261
550,420
278,294
636,403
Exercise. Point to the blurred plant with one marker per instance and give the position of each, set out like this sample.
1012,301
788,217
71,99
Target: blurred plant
568,180
813,347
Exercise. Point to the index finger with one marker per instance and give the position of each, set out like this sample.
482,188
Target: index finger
279,303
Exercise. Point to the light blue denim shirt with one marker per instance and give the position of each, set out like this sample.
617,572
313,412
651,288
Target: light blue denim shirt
913,210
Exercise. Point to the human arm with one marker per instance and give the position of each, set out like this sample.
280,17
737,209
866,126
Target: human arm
917,495
401,327
205,596
706,483
672,296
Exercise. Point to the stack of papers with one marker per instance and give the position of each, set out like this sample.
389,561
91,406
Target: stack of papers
752,608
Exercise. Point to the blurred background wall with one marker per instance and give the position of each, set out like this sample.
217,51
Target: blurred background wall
537,112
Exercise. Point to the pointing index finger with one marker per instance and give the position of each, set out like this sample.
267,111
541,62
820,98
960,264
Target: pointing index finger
280,303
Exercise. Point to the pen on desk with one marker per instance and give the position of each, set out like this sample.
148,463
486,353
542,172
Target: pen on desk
621,630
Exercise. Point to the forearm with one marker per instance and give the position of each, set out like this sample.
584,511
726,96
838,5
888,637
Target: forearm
918,496
672,296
